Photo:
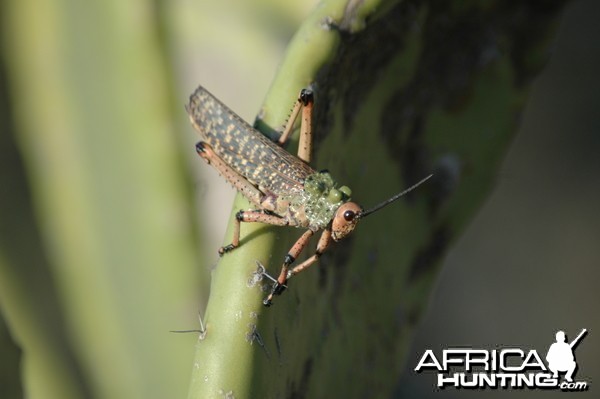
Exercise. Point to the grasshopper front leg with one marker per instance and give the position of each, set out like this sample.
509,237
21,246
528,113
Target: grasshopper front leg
286,273
261,217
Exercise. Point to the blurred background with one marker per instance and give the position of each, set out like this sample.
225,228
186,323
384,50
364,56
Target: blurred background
109,222
528,264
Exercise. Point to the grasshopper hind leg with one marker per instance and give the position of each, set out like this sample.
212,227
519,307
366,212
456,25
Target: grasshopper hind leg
238,181
253,194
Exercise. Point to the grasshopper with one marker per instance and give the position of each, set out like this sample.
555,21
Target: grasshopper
285,190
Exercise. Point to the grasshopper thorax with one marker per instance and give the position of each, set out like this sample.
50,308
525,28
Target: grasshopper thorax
317,202
345,219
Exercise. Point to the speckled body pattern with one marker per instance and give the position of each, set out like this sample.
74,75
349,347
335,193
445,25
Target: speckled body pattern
313,201
278,175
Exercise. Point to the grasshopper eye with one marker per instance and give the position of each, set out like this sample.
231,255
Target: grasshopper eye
349,216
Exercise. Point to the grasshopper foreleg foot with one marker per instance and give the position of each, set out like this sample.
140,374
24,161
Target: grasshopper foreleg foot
279,285
276,289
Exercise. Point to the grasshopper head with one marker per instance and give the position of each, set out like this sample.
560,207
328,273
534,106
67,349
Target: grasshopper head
345,219
347,215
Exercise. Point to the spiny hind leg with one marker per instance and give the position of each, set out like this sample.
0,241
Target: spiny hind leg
242,184
238,181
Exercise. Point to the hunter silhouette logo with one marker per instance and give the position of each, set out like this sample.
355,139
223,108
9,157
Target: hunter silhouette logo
506,368
560,356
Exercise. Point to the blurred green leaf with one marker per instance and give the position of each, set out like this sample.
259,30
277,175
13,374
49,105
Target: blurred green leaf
90,94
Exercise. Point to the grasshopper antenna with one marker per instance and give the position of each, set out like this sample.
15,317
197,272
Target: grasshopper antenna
394,198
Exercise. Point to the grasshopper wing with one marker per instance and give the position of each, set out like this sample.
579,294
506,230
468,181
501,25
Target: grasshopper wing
261,161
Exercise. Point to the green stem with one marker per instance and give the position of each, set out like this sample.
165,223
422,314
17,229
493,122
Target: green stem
403,89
